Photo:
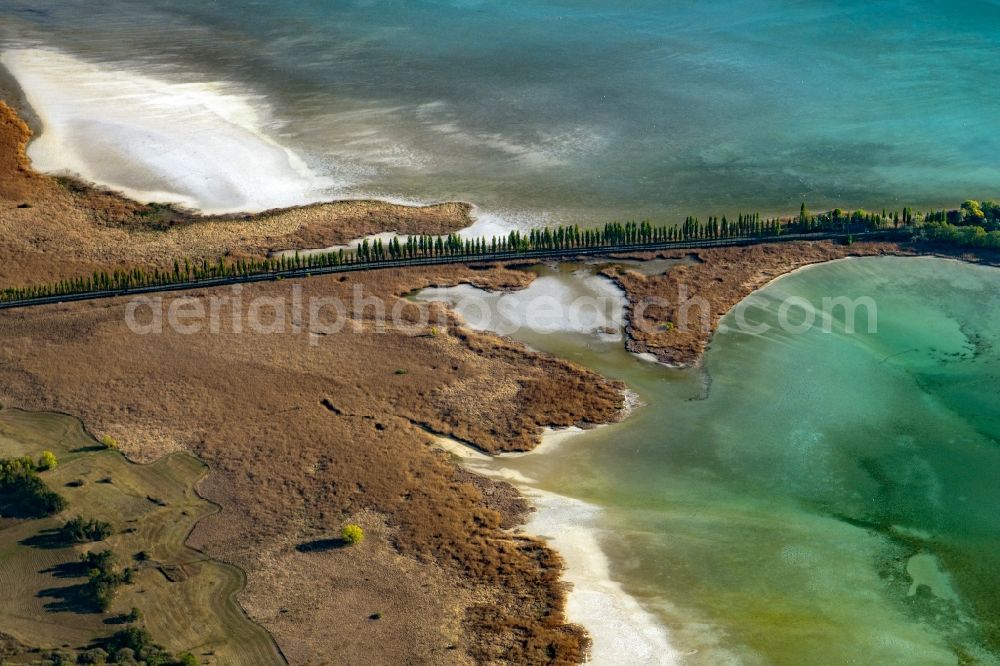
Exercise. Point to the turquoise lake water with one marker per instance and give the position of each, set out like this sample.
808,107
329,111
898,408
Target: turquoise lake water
591,109
820,497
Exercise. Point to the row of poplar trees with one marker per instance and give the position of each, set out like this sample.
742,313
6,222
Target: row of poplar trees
415,248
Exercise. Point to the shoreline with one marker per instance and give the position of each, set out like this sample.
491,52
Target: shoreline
714,285
13,94
208,143
620,628
91,229
127,230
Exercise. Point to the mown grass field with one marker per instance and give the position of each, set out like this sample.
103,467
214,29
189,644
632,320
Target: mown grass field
187,600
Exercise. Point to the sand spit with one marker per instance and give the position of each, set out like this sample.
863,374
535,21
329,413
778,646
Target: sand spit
671,317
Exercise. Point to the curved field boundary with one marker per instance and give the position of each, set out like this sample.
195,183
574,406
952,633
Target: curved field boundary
187,600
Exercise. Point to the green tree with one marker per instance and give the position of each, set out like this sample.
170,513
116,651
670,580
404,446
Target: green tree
972,212
23,494
47,461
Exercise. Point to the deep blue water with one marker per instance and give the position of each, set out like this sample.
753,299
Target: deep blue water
594,108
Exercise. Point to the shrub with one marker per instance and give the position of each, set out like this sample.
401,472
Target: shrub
93,656
60,658
47,461
135,645
109,442
353,534
125,656
134,639
972,212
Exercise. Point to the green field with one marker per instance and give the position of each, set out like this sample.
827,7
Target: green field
187,601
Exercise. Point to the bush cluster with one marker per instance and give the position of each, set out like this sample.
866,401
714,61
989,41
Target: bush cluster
104,577
134,645
47,461
79,530
975,224
23,494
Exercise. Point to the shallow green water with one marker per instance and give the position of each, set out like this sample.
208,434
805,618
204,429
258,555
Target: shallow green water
820,497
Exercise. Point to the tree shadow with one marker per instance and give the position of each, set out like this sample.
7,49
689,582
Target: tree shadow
50,539
118,620
88,449
67,570
19,509
71,598
322,545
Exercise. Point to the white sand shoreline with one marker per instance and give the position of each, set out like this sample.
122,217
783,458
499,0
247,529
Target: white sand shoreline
622,631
